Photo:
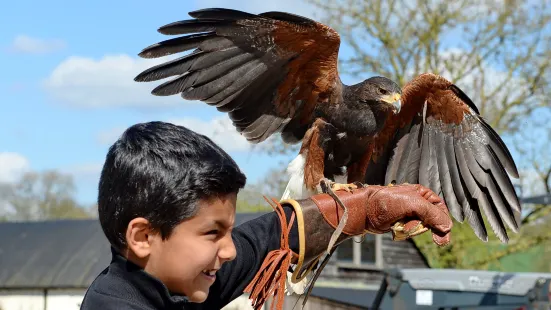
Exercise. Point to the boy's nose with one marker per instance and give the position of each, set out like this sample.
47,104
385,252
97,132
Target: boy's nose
227,251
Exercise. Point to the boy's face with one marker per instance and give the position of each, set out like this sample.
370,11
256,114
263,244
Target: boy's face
187,261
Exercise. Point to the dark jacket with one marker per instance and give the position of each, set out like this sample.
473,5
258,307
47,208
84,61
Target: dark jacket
124,285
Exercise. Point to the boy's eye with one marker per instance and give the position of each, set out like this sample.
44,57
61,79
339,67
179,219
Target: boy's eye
213,232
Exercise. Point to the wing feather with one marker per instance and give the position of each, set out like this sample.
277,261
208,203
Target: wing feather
434,169
446,174
267,71
408,168
501,151
439,140
472,208
473,180
401,153
458,186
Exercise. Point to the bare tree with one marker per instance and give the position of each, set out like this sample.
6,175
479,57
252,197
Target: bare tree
497,51
41,196
272,185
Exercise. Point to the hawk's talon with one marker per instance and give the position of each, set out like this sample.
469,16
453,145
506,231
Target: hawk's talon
327,184
359,184
400,233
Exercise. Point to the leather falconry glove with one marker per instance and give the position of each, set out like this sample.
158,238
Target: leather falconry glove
371,209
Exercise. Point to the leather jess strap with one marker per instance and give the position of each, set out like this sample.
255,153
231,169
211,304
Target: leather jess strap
270,278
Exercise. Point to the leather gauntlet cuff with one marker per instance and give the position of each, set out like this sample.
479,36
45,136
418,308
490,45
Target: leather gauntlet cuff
306,220
318,218
356,203
313,230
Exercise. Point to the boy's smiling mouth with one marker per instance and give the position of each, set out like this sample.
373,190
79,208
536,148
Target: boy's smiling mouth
211,273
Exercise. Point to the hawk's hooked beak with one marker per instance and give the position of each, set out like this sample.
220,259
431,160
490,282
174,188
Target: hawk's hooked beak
394,100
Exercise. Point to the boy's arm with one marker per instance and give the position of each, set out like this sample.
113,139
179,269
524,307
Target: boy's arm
371,209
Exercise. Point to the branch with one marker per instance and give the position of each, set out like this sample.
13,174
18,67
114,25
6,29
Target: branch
513,248
536,213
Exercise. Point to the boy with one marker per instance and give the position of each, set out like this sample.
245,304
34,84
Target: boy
167,205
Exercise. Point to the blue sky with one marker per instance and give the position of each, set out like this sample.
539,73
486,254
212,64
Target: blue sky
67,90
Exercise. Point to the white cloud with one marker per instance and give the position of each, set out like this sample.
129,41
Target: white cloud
106,82
109,81
29,45
12,166
219,129
84,171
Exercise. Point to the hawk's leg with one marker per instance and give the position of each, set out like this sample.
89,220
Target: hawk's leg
317,145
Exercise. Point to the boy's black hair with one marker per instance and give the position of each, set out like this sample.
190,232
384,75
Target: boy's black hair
160,171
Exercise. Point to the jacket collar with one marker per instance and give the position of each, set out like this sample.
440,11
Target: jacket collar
151,288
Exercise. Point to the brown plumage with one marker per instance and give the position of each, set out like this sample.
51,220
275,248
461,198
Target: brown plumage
439,140
277,73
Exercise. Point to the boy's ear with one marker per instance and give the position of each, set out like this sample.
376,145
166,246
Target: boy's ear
139,236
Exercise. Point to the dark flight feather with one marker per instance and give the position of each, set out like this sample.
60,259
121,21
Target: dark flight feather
221,13
174,67
213,85
446,175
455,176
176,45
411,166
191,26
288,17
502,152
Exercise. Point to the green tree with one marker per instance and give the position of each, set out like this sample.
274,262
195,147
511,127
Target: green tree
42,196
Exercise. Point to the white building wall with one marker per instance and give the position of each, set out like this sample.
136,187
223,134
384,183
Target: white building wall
70,300
35,299
240,303
64,299
21,299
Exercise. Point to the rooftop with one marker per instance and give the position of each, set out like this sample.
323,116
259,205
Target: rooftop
57,253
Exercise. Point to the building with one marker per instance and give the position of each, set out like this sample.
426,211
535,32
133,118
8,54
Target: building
50,264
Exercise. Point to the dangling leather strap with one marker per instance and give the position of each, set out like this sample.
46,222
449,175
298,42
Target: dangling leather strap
270,278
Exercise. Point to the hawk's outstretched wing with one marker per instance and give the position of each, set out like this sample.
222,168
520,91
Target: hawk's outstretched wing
268,71
439,140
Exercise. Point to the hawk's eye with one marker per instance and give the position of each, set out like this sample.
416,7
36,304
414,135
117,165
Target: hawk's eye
383,91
